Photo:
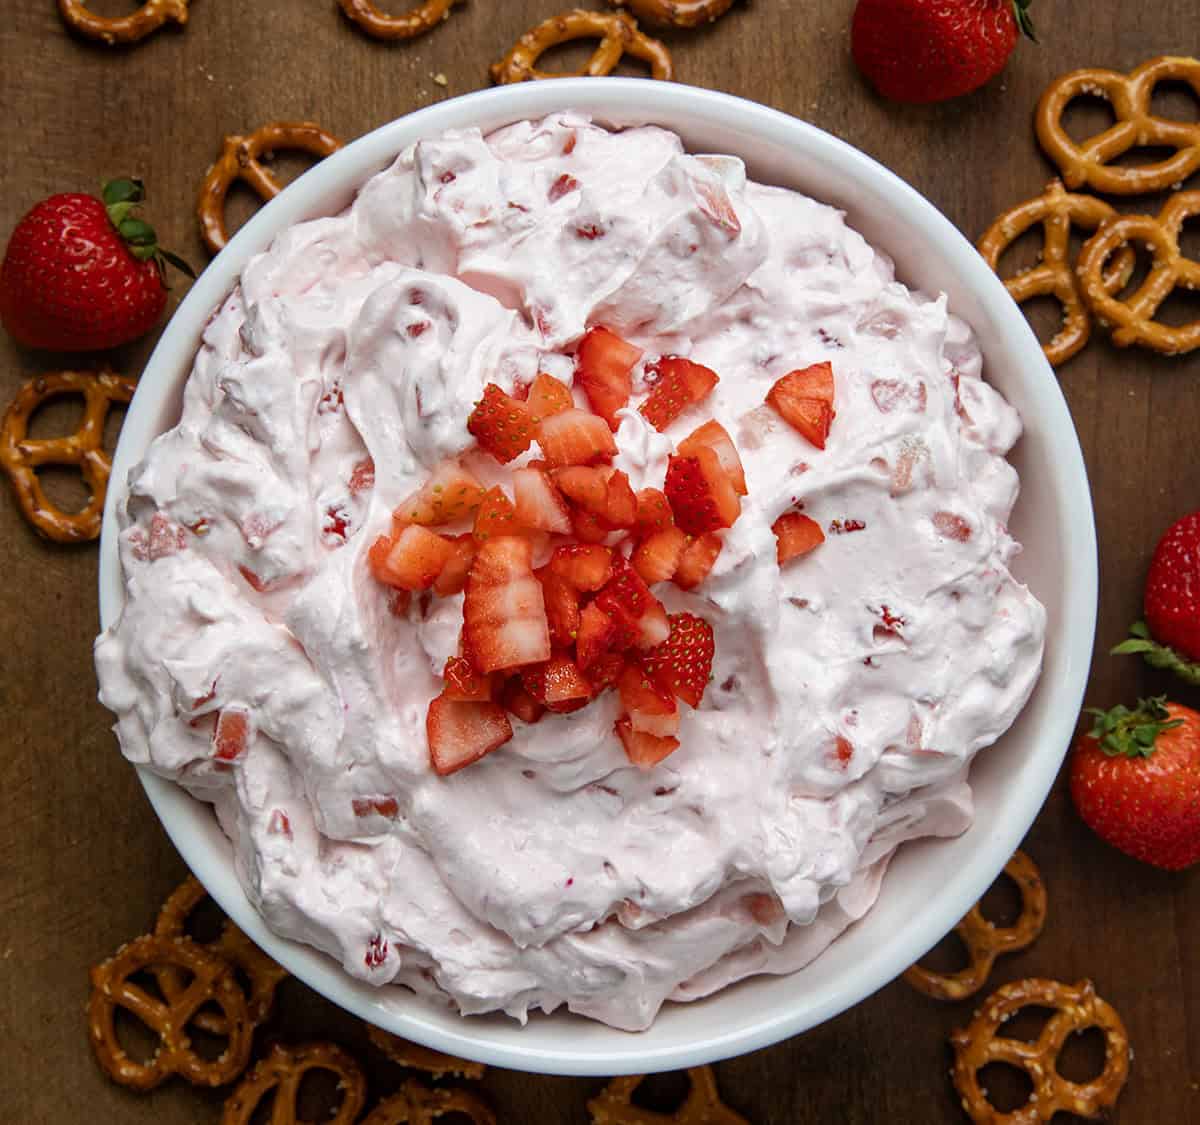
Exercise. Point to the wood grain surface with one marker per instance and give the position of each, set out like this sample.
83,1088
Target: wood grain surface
84,863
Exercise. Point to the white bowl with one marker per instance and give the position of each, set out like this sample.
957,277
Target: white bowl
931,884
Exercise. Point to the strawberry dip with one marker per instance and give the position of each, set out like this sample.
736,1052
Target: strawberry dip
575,571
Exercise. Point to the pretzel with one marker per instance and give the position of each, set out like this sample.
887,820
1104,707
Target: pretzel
21,455
122,29
239,160
212,982
702,1106
413,1104
416,1057
232,946
617,31
281,1074
407,25
1075,1009
1056,211
1133,318
676,13
986,941
1129,95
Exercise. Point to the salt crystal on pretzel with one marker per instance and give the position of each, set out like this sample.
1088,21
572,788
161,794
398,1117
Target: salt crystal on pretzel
702,1106
379,25
280,1075
118,30
414,1104
676,13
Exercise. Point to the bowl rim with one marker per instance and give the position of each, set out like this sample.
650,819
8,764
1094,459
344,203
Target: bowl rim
628,101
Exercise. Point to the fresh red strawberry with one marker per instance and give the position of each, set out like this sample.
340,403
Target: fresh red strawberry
83,274
496,516
650,707
562,608
656,558
804,399
1170,635
548,396
231,734
410,561
588,528
597,636
557,684
932,50
603,365
517,701
644,750
539,505
1135,779
575,437
462,733
605,672
586,567
716,437
678,384
639,617
504,612
464,684
452,579
696,560
701,494
603,492
653,512
795,535
502,425
683,663
450,494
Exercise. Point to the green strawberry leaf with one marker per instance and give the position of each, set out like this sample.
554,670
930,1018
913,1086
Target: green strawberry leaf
1141,644
1024,20
123,191
121,198
179,263
1122,732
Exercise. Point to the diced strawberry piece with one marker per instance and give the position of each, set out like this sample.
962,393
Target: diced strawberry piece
653,512
464,684
539,505
656,558
684,663
644,750
701,494
453,576
804,399
588,528
603,365
496,516
650,707
605,672
575,437
951,526
548,396
462,733
517,701
620,502
696,560
603,492
680,384
796,535
362,476
716,437
231,734
638,615
450,494
562,608
585,566
501,424
369,806
597,636
558,684
411,560
504,611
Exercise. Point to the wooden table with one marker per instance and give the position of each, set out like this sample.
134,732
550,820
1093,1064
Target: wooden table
85,862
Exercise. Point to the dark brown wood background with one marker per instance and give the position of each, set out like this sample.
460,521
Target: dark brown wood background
83,862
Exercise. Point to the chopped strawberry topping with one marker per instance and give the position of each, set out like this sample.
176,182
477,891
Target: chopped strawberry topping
464,684
539,505
606,672
575,437
603,492
501,424
796,535
680,383
715,437
588,528
450,494
564,185
462,733
697,560
280,824
701,493
657,557
452,579
597,636
644,750
377,951
604,363
517,701
231,734
650,707
548,396
504,611
804,399
557,684
362,476
584,566
368,806
637,614
950,526
683,663
496,516
410,561
653,511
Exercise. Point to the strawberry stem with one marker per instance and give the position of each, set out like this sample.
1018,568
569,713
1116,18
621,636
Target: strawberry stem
1140,643
1132,733
121,197
1024,20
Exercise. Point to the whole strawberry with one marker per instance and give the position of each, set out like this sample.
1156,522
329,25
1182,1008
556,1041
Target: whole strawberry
932,50
1169,637
83,274
1135,779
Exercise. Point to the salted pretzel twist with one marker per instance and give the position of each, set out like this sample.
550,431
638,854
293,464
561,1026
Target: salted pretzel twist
114,30
985,941
618,34
1132,319
1076,1008
1129,95
232,945
240,160
281,1073
408,25
416,1057
212,982
675,13
702,1106
414,1104
1056,211
21,455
